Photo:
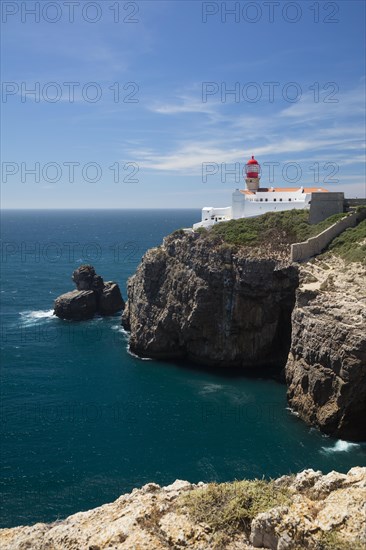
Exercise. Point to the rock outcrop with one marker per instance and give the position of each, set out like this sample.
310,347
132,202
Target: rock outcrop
92,296
323,512
76,305
326,368
212,304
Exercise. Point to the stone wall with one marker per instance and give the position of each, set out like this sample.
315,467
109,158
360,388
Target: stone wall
315,245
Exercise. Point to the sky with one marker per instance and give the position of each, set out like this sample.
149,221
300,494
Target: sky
159,104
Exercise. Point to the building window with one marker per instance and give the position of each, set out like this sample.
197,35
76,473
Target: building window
261,200
274,200
266,200
280,200
289,200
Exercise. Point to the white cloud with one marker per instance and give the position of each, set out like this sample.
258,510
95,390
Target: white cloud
304,132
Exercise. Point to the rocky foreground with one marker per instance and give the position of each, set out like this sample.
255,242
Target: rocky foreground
314,511
326,367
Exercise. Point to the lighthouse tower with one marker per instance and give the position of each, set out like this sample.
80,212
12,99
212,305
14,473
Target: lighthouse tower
252,171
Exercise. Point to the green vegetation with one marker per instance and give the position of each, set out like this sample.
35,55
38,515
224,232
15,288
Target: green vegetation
332,541
178,233
351,244
230,507
282,227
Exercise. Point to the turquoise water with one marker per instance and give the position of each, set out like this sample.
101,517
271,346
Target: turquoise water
84,421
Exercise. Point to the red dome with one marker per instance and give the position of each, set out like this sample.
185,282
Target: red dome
252,161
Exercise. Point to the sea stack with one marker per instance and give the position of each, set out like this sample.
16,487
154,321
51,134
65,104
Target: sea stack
93,296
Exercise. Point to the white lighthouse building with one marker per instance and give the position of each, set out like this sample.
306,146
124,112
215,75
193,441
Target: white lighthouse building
256,200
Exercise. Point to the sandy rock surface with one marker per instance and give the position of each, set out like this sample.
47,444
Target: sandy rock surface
152,518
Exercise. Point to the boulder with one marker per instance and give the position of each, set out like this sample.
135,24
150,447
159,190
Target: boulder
92,296
86,278
77,305
110,299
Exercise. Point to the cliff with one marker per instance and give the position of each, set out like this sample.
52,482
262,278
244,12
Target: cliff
326,367
239,304
212,303
309,510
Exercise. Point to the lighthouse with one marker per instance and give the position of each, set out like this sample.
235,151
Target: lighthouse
252,171
255,200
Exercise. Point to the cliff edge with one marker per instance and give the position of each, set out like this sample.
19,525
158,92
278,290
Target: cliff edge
309,510
326,367
211,302
231,297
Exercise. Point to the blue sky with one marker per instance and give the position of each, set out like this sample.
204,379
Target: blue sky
177,135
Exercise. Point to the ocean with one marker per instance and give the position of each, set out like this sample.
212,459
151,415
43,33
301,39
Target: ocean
84,421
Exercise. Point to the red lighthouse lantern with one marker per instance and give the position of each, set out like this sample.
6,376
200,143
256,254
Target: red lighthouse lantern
252,168
252,172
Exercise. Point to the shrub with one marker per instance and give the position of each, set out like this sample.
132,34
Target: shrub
278,228
230,507
351,244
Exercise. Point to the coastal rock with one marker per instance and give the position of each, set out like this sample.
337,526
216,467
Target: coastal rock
86,278
110,299
156,518
211,304
92,296
326,367
77,304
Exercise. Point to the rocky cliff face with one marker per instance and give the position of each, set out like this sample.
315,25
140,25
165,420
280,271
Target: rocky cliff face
326,368
321,512
210,304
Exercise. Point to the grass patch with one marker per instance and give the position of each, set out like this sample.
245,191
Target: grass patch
351,244
332,541
230,507
281,227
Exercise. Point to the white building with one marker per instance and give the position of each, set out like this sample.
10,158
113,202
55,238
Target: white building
255,200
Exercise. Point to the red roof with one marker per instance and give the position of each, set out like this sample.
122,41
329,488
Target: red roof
285,190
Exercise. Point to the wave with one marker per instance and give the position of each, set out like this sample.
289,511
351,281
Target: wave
126,335
211,388
137,356
291,411
119,328
30,317
340,446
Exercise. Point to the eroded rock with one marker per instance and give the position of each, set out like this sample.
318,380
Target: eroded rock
153,518
110,299
92,296
211,304
326,367
77,305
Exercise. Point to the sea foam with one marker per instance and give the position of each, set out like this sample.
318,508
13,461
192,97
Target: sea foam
340,446
30,317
